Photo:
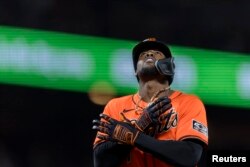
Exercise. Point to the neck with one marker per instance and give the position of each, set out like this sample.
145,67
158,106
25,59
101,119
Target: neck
153,89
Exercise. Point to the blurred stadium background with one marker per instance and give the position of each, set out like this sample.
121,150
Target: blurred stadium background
61,61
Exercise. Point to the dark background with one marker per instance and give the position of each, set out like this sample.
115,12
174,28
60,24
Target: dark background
50,128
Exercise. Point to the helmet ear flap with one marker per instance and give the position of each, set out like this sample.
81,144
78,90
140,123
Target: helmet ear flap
166,67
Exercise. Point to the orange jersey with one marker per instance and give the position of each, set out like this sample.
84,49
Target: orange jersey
187,120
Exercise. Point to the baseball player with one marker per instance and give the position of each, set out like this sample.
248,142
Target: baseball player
157,126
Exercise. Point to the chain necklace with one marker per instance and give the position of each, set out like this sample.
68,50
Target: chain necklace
153,98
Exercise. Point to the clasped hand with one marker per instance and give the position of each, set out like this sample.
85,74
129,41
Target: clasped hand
114,130
153,115
125,132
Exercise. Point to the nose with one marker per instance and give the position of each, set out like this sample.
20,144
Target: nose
150,54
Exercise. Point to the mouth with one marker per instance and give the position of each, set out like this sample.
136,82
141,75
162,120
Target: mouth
150,60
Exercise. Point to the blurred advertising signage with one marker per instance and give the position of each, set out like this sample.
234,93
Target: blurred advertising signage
83,63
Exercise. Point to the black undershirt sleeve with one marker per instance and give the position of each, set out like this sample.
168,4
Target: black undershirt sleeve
178,153
110,154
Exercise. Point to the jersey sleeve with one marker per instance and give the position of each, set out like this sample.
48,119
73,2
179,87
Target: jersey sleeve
193,122
107,112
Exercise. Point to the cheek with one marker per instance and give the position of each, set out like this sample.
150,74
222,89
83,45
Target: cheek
158,57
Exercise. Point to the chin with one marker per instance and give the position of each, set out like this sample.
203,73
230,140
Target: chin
148,71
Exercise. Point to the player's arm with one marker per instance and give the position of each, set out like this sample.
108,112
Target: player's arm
181,153
110,154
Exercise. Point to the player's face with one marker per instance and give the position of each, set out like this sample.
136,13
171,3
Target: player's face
151,54
146,62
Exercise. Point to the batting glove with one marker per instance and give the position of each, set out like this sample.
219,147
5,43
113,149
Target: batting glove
150,116
114,130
